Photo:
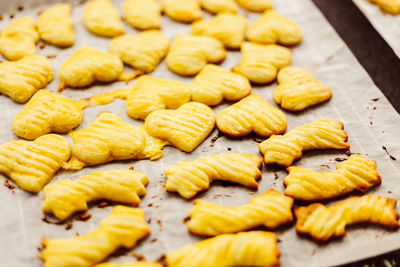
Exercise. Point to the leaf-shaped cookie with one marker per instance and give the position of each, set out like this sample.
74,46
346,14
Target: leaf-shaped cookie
273,28
124,227
298,89
190,177
260,63
256,5
251,114
214,84
32,164
129,264
56,27
185,128
19,38
45,113
355,174
323,223
270,210
102,18
22,78
143,51
66,197
391,6
282,150
226,27
150,94
182,10
257,248
143,14
217,6
190,54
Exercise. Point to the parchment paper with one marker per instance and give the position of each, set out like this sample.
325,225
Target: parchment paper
369,123
386,24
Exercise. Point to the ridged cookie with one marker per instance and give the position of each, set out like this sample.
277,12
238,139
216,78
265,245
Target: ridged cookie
32,164
251,114
391,6
143,14
190,177
270,210
256,5
66,197
182,10
283,150
218,6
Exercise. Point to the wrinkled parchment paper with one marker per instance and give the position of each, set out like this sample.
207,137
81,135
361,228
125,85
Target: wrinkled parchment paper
386,24
369,119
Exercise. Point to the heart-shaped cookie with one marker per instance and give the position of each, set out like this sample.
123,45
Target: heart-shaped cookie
32,164
182,10
47,112
143,14
185,127
218,6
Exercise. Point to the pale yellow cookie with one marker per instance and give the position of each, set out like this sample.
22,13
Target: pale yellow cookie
256,5
102,18
355,174
217,6
185,128
56,27
150,94
190,177
185,11
323,223
273,28
124,227
227,27
214,84
143,14
18,39
283,150
391,6
143,51
129,264
22,78
255,249
66,197
270,210
45,113
251,114
32,164
109,138
190,54
298,89
260,63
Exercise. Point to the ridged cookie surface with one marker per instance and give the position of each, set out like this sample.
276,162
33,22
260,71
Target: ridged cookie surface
143,14
129,264
218,6
182,10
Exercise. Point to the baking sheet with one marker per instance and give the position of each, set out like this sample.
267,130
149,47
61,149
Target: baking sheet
386,24
369,119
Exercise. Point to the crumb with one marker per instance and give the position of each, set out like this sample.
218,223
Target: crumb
276,176
348,153
84,217
132,168
257,140
139,257
77,234
374,108
82,2
39,248
387,152
156,206
389,192
149,220
69,226
375,99
161,260
215,138
12,15
39,12
314,251
20,8
340,159
103,204
1,17
278,240
155,196
8,185
326,166
153,240
42,45
371,123
151,204
51,56
159,222
229,149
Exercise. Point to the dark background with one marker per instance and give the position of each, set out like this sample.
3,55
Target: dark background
378,59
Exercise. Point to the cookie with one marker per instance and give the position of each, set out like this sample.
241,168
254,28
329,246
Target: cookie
257,248
123,228
214,84
66,197
218,6
256,5
150,94
45,113
185,11
190,177
18,39
143,51
185,128
56,27
143,14
323,223
32,164
273,28
298,89
283,150
251,114
355,174
102,18
190,54
23,78
129,264
260,63
391,6
227,27
269,210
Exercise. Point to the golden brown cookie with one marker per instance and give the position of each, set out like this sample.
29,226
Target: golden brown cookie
391,6
129,264
256,5
218,6
182,10
143,14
